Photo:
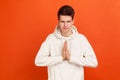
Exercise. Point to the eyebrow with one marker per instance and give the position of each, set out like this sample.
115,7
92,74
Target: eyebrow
66,21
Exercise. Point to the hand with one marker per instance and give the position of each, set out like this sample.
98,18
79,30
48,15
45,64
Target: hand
67,55
65,52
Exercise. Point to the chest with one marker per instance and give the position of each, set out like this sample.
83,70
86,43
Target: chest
74,47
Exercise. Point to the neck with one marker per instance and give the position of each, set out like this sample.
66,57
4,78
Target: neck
66,34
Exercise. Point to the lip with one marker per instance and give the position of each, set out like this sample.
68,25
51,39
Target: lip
65,28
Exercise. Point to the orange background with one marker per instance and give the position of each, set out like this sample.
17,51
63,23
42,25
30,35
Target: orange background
24,25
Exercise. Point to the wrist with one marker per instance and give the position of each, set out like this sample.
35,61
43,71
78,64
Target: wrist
63,58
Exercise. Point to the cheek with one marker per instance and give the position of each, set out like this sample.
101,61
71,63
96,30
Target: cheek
60,24
70,24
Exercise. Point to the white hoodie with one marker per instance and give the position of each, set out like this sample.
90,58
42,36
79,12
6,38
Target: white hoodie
50,55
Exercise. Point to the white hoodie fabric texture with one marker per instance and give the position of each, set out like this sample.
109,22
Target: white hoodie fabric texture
50,55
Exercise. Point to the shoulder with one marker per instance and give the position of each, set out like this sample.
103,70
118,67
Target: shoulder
83,38
80,35
50,36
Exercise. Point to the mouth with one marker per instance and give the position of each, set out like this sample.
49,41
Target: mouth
65,28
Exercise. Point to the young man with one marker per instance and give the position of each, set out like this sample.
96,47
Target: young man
65,52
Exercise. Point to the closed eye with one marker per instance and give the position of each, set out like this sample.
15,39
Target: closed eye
68,21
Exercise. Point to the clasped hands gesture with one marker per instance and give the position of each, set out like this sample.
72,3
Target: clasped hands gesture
65,52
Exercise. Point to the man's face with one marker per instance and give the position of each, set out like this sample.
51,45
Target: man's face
65,23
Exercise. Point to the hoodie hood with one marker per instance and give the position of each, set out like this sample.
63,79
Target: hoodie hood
58,35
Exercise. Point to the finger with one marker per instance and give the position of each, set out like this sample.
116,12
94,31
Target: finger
64,49
66,45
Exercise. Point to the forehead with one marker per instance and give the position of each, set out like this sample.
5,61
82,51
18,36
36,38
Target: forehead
65,18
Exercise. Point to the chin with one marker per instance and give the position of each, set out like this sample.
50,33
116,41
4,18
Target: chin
66,30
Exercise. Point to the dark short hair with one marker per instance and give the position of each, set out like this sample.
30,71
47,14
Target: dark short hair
66,10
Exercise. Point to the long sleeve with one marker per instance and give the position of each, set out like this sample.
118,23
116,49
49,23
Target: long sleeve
43,57
88,58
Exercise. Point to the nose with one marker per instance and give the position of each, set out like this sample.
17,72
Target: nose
65,24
